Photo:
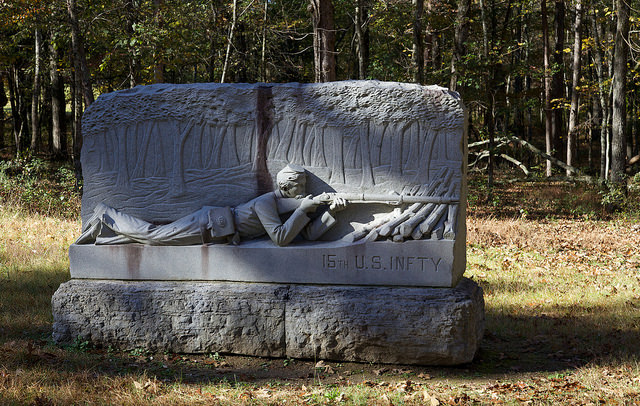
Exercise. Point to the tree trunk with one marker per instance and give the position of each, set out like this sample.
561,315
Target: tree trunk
158,67
77,95
232,30
324,39
362,39
634,126
603,95
131,14
489,118
83,88
547,85
263,51
573,113
428,37
19,109
3,102
58,136
460,36
557,82
417,56
35,95
618,136
79,58
213,47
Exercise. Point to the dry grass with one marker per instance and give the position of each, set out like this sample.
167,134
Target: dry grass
33,263
563,326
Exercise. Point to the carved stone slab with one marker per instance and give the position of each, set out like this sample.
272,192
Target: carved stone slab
413,263
161,152
424,326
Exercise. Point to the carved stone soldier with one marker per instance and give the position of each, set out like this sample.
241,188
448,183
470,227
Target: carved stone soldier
211,224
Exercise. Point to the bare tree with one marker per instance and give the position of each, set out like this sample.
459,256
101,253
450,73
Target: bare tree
58,144
158,67
547,84
79,57
3,102
324,40
460,36
417,56
573,112
232,30
557,82
618,136
362,38
35,95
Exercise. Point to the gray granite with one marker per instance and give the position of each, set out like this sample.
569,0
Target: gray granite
412,263
180,317
424,326
159,157
163,151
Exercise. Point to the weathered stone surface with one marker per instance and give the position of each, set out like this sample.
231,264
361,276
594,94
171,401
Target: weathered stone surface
412,263
390,325
425,326
179,317
164,151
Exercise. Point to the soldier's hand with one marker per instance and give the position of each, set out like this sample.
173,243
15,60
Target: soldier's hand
338,204
323,198
308,205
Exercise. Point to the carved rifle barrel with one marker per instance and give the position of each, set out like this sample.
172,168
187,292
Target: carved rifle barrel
384,198
287,205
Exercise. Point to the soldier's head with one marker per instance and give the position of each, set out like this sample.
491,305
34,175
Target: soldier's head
292,180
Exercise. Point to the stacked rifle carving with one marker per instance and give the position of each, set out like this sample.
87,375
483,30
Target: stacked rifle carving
431,214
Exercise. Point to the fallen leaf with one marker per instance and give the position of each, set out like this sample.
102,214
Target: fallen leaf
400,371
380,371
263,393
428,399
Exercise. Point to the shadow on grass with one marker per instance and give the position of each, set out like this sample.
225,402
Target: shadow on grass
524,337
25,302
540,340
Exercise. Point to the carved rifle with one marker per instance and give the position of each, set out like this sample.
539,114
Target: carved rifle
286,205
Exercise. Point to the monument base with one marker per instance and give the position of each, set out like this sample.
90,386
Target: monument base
422,326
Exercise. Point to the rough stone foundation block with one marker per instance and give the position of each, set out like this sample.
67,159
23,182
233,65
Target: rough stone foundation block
424,326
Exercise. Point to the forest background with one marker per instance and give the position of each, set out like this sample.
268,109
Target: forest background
551,86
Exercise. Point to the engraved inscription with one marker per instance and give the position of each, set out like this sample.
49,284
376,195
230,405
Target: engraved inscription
381,263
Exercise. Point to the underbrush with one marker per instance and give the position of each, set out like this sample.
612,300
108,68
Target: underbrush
37,186
541,198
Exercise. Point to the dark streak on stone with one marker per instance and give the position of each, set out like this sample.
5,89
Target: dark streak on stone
205,261
134,256
264,118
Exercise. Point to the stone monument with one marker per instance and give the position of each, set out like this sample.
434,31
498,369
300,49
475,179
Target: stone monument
298,220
